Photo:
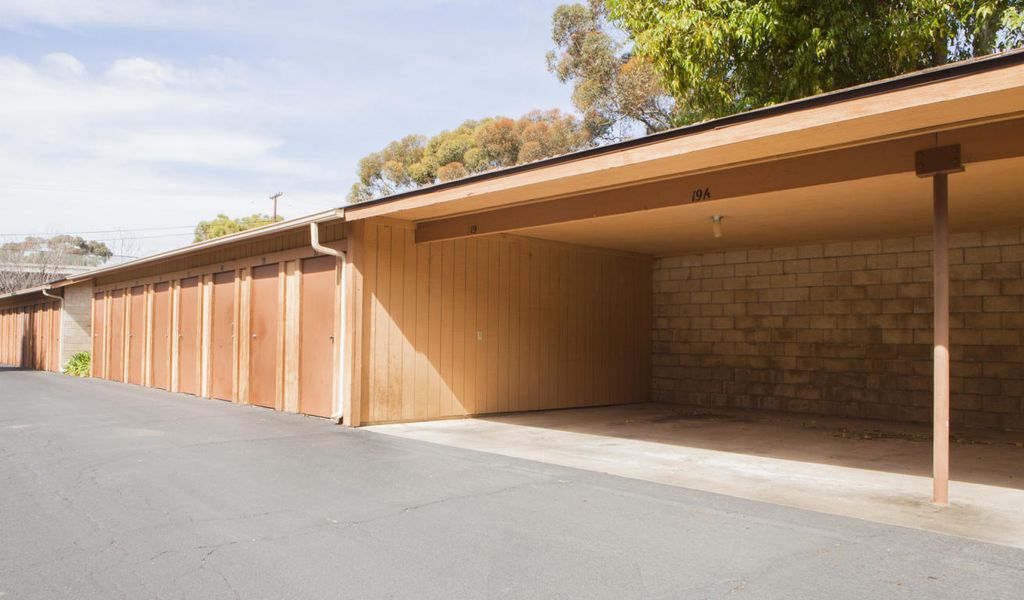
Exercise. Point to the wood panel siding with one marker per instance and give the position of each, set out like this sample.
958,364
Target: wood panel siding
30,336
189,315
223,337
161,338
498,324
99,335
264,326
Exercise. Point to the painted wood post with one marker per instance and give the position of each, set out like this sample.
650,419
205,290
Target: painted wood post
940,342
937,163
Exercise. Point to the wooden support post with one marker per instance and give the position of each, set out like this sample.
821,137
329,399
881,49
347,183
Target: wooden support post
292,306
205,334
938,163
940,342
147,375
175,332
244,332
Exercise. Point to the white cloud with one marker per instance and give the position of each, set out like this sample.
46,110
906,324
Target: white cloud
63,65
147,140
138,119
139,71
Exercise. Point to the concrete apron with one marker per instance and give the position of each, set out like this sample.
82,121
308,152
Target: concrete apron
870,470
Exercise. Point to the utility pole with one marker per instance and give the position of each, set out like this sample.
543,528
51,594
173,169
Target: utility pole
274,198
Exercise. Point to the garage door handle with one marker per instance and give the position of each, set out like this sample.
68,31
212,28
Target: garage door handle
254,336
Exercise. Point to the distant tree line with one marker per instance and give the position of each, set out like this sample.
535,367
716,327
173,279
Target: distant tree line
222,225
37,260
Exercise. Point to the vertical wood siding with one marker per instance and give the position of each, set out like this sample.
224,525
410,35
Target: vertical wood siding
30,336
498,324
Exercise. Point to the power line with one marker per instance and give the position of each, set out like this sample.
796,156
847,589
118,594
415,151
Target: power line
103,231
141,237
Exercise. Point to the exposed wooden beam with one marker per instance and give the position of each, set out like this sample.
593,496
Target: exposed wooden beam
980,143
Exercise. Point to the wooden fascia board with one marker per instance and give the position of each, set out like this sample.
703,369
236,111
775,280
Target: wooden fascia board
980,143
926,107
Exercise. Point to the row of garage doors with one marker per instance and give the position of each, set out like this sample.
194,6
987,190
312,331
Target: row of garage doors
262,335
30,336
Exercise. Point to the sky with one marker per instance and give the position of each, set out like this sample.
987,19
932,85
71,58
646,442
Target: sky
135,120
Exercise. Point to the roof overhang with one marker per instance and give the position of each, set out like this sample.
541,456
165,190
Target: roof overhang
333,214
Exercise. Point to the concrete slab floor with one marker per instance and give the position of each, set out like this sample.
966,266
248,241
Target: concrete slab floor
874,470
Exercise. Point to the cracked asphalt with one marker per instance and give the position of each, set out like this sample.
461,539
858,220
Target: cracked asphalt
115,491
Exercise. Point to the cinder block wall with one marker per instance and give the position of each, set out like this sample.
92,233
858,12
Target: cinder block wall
843,329
76,325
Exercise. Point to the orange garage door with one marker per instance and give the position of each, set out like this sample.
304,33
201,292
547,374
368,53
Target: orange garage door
137,335
316,350
162,336
188,337
222,336
263,379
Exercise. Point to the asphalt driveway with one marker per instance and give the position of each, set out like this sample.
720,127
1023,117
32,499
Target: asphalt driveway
115,491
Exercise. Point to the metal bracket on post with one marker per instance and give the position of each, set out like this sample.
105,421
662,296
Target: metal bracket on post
938,163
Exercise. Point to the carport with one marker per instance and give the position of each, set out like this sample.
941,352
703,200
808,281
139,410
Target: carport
809,257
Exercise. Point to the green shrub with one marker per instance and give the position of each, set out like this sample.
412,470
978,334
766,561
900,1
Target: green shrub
78,365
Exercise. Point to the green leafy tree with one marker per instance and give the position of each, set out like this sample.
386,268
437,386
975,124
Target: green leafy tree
472,147
613,89
224,225
719,57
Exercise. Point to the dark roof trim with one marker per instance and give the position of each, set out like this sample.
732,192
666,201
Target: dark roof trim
916,78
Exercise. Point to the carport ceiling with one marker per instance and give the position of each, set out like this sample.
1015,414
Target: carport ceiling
988,195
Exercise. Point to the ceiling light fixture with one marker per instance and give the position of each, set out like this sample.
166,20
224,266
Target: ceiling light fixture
716,225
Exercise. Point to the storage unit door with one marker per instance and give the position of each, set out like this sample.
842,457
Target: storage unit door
99,319
316,349
116,372
162,336
188,337
33,337
223,336
263,351
137,336
5,335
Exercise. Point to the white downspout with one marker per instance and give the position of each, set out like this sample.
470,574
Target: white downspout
60,338
314,240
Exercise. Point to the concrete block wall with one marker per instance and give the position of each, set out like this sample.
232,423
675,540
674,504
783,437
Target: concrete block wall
843,329
76,325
